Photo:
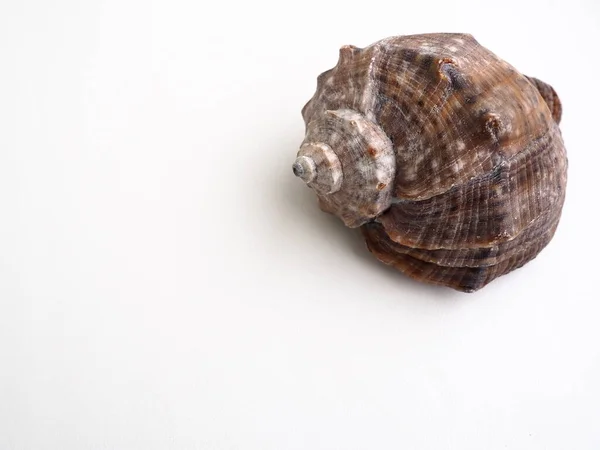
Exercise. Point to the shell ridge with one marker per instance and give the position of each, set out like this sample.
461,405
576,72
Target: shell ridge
368,98
471,257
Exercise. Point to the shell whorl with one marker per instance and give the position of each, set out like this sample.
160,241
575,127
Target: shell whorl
349,162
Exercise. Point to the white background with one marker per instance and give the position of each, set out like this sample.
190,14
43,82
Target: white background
166,283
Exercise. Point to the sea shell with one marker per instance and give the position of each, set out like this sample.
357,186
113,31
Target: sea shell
449,160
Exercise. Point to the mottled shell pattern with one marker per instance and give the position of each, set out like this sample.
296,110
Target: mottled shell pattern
449,160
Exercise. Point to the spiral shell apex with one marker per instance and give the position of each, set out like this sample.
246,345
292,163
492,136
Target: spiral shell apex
449,160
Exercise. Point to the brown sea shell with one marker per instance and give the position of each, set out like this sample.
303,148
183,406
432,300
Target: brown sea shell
450,160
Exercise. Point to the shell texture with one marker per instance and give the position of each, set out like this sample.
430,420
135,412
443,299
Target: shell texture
449,160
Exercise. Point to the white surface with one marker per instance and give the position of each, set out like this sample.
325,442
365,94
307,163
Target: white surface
166,283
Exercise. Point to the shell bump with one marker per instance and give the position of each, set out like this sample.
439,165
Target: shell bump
449,160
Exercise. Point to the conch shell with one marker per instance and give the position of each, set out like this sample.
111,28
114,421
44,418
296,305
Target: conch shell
449,160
